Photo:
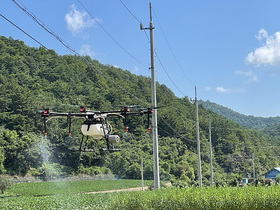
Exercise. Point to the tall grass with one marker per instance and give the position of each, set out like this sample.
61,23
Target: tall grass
201,198
70,195
69,187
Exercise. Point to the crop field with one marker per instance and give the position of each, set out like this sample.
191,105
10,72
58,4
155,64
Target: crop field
63,195
74,195
202,198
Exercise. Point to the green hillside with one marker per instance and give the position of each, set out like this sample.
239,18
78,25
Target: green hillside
32,79
245,120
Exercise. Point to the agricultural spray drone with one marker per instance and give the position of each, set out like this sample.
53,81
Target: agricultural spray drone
96,124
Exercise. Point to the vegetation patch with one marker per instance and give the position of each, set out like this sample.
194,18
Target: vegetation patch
71,187
201,198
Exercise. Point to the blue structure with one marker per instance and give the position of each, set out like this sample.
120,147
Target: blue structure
272,174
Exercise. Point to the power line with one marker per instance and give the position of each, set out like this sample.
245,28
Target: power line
23,31
51,32
33,17
134,16
155,51
176,60
46,28
111,35
130,12
168,74
176,131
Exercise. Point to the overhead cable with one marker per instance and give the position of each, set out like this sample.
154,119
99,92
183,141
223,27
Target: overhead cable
40,23
111,35
134,16
23,31
130,12
168,74
33,17
46,28
176,60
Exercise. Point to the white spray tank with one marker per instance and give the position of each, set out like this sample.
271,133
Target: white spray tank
94,130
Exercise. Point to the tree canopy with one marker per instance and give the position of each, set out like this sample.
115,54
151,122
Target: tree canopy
35,78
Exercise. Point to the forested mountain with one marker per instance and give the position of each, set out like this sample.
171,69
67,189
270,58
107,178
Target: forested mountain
248,121
35,78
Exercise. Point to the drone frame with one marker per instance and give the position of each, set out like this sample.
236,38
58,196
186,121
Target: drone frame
95,118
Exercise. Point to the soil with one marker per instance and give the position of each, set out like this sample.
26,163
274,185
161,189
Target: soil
127,189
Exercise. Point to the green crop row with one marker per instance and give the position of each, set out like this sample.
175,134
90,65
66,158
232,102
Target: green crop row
201,198
69,187
26,196
65,201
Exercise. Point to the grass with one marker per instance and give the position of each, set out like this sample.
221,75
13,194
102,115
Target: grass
64,195
70,195
70,187
201,198
65,201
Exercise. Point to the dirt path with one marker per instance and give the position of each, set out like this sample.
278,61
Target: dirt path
127,189
119,190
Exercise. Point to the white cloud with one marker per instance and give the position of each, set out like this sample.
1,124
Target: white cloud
262,34
221,89
269,53
86,50
252,77
77,21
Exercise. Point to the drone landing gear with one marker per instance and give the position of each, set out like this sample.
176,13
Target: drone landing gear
83,147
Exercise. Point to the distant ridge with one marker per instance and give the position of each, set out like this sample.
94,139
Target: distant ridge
245,120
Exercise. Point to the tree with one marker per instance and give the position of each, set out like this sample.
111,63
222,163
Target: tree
5,183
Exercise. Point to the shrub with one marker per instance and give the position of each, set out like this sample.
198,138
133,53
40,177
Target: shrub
5,183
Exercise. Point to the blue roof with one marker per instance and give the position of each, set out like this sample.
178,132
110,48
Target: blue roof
273,173
278,169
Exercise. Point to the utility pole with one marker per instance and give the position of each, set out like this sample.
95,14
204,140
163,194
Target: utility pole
142,174
211,157
254,172
198,142
154,104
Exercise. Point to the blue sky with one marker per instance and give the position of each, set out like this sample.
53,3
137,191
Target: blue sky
229,50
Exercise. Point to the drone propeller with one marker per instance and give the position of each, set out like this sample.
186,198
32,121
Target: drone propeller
128,106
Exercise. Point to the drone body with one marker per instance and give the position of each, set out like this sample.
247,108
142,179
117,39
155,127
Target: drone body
95,124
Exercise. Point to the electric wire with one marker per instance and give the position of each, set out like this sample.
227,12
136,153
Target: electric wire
154,50
157,56
190,120
40,23
23,31
73,51
111,35
168,74
46,28
134,16
130,12
175,58
177,131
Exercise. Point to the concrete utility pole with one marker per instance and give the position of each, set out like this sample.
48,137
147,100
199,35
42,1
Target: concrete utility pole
154,104
142,174
211,157
198,142
254,172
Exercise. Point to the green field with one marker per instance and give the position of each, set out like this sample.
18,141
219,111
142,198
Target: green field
71,187
72,195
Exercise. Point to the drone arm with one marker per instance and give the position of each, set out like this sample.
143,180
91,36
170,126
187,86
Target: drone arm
45,126
69,124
